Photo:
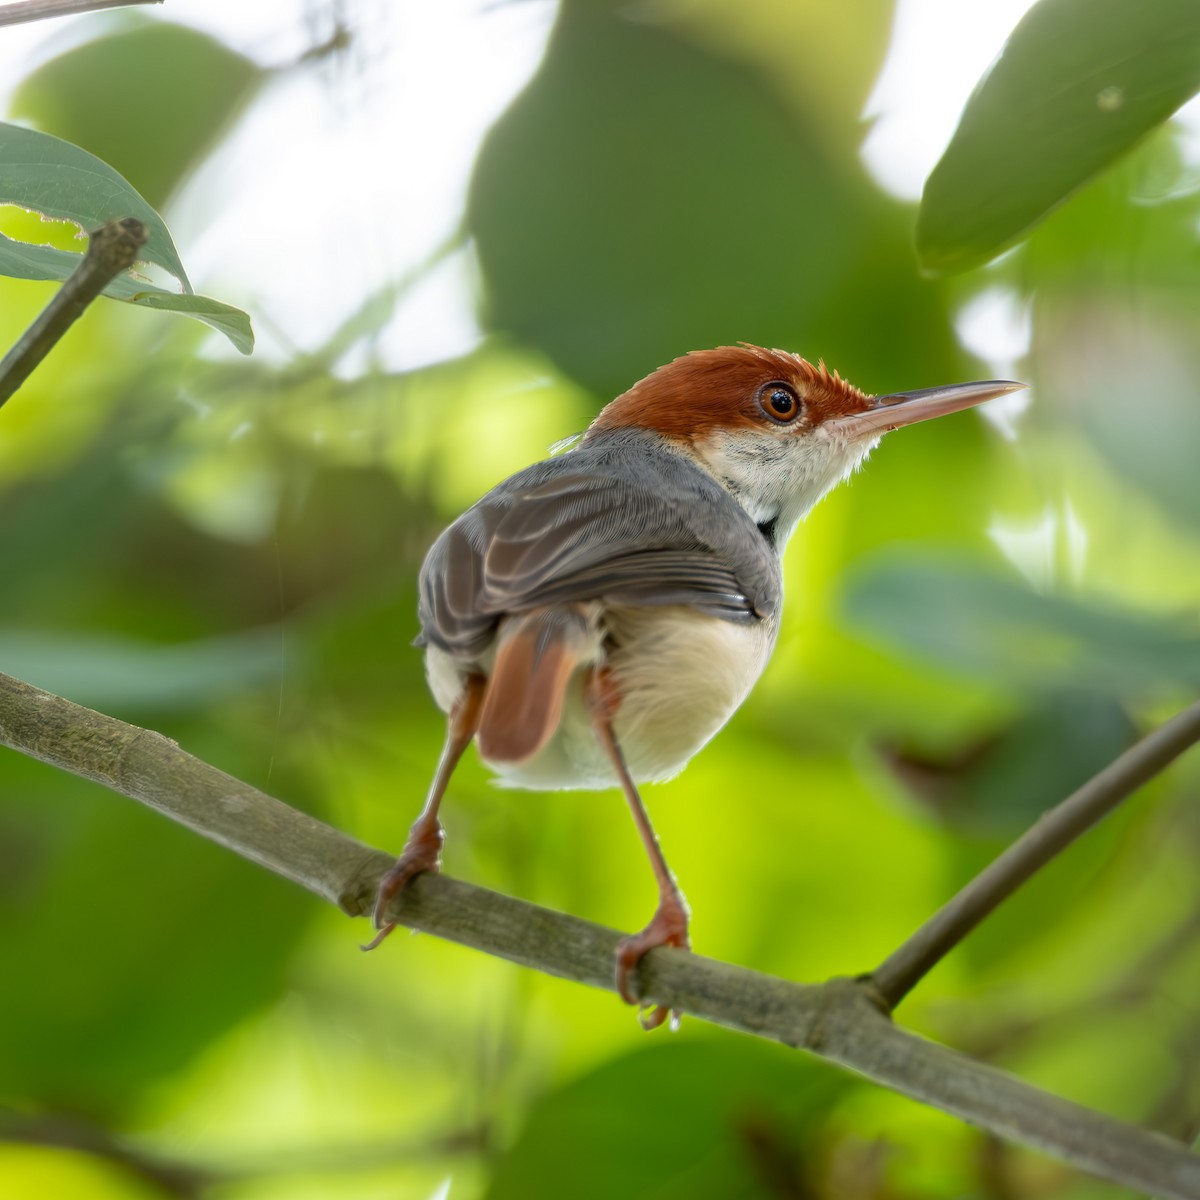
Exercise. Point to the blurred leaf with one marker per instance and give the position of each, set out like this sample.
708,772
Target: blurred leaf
993,789
1076,85
144,941
150,99
853,37
23,261
1131,387
676,1121
64,182
115,673
1117,284
1002,782
30,1170
618,226
1140,210
983,622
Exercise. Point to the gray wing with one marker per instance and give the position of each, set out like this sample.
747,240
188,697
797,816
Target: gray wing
645,528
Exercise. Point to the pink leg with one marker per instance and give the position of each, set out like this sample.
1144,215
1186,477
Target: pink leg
422,851
669,925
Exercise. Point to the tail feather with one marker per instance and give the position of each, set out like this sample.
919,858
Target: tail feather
523,704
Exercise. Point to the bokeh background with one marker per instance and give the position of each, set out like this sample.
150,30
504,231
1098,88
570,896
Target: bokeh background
460,228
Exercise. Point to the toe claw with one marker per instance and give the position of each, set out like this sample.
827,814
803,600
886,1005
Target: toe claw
668,927
384,930
652,1018
421,853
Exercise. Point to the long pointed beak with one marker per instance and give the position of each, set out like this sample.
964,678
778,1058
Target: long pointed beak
907,408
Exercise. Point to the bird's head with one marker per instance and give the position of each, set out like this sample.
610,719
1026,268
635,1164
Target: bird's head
773,429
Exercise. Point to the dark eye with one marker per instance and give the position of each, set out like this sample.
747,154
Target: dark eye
779,402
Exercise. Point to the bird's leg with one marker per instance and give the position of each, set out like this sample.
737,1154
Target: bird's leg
669,925
422,851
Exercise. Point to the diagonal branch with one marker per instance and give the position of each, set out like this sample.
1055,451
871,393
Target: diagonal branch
842,1020
1056,829
112,249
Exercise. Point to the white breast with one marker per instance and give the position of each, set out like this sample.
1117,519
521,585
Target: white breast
681,676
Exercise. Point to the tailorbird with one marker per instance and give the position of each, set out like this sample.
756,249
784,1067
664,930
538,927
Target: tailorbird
598,616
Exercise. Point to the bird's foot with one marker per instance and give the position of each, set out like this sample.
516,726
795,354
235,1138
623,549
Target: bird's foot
668,927
422,852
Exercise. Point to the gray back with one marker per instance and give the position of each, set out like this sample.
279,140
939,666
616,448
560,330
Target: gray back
623,519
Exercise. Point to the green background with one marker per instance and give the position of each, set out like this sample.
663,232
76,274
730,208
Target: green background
174,1021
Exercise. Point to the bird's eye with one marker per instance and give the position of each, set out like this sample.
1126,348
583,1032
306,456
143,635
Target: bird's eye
779,402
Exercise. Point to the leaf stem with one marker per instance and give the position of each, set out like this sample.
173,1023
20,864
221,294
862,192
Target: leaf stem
1056,829
112,249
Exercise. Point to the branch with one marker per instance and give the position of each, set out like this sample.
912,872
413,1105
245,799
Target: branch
842,1020
112,249
39,10
1056,829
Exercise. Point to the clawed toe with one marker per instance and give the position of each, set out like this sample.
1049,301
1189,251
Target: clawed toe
668,927
422,852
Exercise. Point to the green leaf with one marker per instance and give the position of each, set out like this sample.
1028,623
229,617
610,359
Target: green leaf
232,322
676,1121
23,261
66,183
982,622
150,99
1077,85
20,260
96,95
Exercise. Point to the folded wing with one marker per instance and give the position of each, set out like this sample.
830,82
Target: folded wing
656,532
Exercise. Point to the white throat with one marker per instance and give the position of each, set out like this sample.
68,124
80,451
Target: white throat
777,478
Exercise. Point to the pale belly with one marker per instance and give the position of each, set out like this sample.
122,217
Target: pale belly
680,675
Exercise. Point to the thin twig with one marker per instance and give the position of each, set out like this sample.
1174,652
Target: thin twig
840,1020
112,249
40,10
1056,829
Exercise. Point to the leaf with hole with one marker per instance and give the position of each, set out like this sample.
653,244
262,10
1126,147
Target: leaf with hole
62,181
65,183
23,261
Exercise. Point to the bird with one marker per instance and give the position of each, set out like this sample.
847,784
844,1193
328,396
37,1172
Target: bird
597,617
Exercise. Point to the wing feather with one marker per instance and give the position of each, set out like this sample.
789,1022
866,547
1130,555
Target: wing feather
655,531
